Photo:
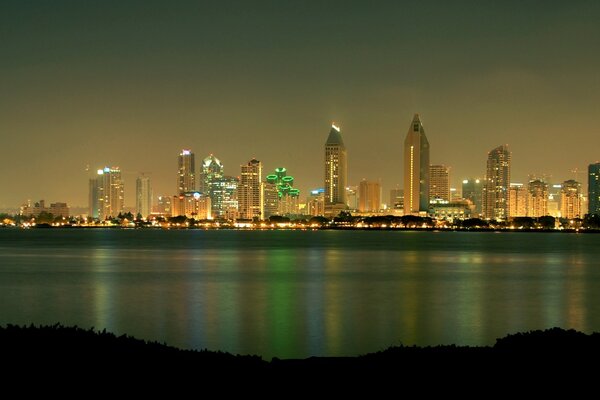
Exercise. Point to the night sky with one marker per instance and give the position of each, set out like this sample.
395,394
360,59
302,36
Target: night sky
131,83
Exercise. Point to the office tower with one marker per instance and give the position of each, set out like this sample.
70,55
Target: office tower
495,191
416,169
553,204
224,197
106,194
285,200
594,189
336,171
517,200
352,197
186,180
472,190
143,196
163,206
570,200
537,199
315,203
369,196
192,205
439,182
396,199
250,190
211,175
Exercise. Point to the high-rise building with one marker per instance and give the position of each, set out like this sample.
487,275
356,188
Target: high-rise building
594,189
369,196
570,200
211,175
517,200
416,169
439,182
472,190
285,200
495,191
163,206
192,205
270,199
352,197
186,179
224,197
553,204
106,194
537,199
396,199
143,196
336,171
250,190
315,203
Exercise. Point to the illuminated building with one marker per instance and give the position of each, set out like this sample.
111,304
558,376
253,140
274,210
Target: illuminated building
396,199
223,194
336,171
495,191
212,184
439,182
472,190
280,196
56,209
143,196
163,206
250,191
352,197
106,194
416,169
186,179
570,200
450,210
537,199
369,196
517,194
315,203
594,189
192,205
553,204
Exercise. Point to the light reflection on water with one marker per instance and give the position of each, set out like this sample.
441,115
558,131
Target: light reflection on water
296,294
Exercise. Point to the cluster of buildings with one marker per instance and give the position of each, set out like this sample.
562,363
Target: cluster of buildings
209,194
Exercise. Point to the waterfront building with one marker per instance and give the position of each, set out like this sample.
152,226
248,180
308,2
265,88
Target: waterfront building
594,189
315,203
396,199
570,200
439,183
223,194
107,197
537,198
472,190
416,169
250,195
496,202
336,171
186,178
191,204
163,206
517,199
39,207
450,210
143,196
369,196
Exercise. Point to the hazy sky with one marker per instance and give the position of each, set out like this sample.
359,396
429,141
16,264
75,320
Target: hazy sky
130,83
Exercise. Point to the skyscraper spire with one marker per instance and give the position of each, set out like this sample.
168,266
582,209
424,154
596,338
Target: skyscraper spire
416,169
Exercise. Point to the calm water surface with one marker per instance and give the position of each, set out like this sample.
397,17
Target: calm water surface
297,294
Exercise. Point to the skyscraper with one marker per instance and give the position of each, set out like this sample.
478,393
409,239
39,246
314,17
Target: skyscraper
211,185
186,179
396,198
284,201
336,170
369,196
570,199
250,190
495,192
537,199
143,196
106,193
224,197
472,190
439,182
416,169
517,200
594,189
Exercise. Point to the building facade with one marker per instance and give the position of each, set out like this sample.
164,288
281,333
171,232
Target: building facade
537,199
250,195
416,169
336,171
186,177
517,199
570,200
594,189
143,196
369,196
439,183
107,197
496,202
472,190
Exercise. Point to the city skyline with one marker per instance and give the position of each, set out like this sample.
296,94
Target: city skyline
78,96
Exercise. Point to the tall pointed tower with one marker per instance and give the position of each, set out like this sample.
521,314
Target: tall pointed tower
496,199
416,169
336,170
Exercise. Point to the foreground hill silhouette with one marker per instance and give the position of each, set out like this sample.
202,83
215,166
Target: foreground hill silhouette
58,348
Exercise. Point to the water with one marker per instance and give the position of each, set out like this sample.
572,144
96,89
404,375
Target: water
297,294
